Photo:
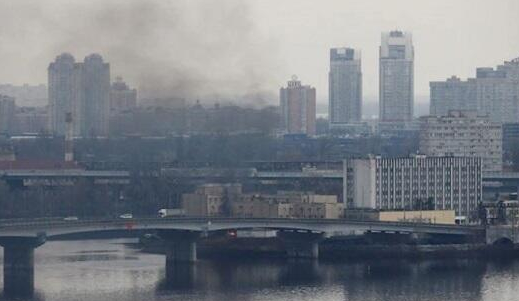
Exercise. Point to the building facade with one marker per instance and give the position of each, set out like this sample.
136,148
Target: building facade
510,138
81,89
288,205
31,120
452,94
7,114
297,104
345,87
414,216
463,134
493,92
414,183
211,199
228,200
62,92
396,77
93,90
122,98
497,92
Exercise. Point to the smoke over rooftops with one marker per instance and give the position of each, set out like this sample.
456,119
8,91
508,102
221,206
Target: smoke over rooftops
181,48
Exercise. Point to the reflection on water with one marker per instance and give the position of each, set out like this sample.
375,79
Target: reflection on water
107,270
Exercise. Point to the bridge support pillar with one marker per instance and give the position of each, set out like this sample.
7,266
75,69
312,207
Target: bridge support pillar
301,244
179,275
180,245
19,265
180,249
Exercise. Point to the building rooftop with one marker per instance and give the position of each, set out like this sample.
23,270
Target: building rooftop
39,165
396,33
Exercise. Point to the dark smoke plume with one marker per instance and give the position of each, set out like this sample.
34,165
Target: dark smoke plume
177,48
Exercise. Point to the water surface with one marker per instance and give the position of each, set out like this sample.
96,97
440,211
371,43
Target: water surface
110,270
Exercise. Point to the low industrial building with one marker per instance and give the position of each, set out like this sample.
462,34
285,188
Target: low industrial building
210,199
416,216
228,200
425,216
502,212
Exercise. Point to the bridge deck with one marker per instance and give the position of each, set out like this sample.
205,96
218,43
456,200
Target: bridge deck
330,227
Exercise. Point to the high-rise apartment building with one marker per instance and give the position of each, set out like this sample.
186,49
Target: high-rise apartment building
345,87
94,96
62,91
414,183
7,114
497,92
463,134
396,77
122,98
82,89
297,104
452,94
493,92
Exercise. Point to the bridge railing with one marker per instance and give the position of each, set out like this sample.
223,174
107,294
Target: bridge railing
4,224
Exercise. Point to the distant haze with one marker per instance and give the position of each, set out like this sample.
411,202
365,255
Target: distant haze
227,49
370,107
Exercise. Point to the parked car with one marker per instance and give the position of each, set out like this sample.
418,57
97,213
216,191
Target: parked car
126,216
71,218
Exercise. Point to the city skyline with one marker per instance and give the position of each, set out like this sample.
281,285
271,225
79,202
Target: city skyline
259,150
451,47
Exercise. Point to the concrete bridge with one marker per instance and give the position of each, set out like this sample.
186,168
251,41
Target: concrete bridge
300,236
502,235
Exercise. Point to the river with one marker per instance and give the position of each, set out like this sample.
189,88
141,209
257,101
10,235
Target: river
110,270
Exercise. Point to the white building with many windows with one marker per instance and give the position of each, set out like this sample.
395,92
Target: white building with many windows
414,183
463,134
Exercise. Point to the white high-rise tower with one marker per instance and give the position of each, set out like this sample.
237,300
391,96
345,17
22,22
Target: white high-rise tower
396,73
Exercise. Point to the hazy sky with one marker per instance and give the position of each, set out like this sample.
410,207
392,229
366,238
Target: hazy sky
196,48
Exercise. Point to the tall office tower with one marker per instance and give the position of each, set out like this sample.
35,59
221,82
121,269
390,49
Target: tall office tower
297,108
93,79
493,92
7,114
463,134
345,87
62,92
122,98
396,77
